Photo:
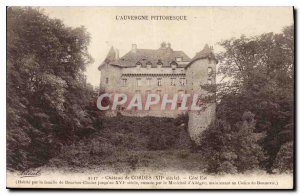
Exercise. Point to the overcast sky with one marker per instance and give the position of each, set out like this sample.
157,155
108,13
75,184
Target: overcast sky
203,25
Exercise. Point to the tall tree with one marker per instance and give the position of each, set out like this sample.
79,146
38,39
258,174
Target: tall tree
46,87
258,76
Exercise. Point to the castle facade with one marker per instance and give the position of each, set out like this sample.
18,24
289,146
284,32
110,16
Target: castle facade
159,71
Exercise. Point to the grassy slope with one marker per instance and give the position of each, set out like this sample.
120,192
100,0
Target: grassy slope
130,143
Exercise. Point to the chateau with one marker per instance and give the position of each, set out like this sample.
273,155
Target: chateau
160,71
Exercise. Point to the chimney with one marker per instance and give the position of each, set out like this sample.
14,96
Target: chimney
163,45
117,54
134,47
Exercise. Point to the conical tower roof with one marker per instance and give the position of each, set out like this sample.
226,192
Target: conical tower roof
204,53
110,57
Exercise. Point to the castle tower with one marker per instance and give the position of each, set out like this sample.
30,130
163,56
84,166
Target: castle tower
202,79
110,74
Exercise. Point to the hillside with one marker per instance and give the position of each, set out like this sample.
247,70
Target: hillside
130,143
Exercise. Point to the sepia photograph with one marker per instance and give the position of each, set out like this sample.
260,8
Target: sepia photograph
150,97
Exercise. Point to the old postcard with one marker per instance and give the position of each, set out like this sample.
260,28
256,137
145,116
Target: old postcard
150,97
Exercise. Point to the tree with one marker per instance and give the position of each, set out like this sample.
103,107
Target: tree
46,89
232,148
258,75
284,159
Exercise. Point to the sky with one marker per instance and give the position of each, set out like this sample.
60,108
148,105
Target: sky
203,25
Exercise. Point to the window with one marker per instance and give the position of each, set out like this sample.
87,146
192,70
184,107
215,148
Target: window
182,81
124,82
180,95
173,81
106,80
139,82
180,92
178,59
137,91
209,71
148,65
209,81
148,81
120,98
148,92
158,92
159,82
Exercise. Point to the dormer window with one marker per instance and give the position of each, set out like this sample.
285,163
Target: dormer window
173,65
148,64
178,59
159,63
138,65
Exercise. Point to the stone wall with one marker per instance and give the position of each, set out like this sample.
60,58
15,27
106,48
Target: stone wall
199,121
197,74
113,74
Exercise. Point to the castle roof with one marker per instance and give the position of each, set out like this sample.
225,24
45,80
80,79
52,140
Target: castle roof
164,55
206,52
111,56
153,57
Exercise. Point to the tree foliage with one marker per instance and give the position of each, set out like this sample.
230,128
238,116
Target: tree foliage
284,159
232,148
46,89
258,76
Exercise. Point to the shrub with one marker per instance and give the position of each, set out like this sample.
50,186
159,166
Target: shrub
232,149
284,160
248,151
184,154
101,148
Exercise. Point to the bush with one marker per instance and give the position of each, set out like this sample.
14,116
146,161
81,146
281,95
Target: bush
101,148
182,119
285,159
249,153
228,149
183,154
